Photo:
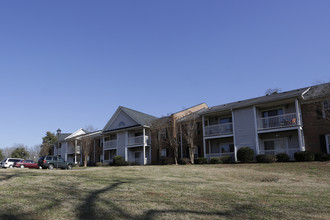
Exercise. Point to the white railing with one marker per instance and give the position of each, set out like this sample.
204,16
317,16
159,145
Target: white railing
110,144
211,155
290,152
219,129
278,121
72,151
138,140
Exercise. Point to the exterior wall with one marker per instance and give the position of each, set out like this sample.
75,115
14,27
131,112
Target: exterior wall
121,140
244,129
315,127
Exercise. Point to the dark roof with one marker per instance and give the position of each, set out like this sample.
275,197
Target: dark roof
139,117
318,91
258,100
62,136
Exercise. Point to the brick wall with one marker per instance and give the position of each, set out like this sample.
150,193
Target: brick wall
314,126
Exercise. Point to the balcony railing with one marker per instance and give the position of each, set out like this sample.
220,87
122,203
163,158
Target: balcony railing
110,144
72,151
278,121
138,140
219,129
289,151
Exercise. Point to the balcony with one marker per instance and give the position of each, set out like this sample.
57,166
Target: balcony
279,121
138,140
110,144
219,129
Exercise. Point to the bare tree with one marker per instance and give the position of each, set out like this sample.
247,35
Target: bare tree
86,145
34,151
189,128
158,134
173,136
319,97
271,91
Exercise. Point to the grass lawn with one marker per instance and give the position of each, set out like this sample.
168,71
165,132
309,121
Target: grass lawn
235,191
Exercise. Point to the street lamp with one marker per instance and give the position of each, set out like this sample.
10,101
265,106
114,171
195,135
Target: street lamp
58,132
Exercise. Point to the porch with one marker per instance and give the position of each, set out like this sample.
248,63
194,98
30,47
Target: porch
280,142
135,155
218,125
220,147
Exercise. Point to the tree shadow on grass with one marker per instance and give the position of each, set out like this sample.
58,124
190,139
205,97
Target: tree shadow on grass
88,210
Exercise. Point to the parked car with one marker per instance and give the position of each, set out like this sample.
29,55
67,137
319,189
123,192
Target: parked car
27,164
51,162
10,162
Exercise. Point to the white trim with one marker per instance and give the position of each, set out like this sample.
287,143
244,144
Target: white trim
327,142
234,136
204,142
256,130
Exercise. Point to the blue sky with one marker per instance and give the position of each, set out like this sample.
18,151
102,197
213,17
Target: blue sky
70,64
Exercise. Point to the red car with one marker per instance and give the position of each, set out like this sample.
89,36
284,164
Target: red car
27,164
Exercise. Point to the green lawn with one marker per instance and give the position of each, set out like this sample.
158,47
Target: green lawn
237,191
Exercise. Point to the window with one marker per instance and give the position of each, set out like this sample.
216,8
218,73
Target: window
227,148
225,120
269,145
224,148
272,113
163,153
137,155
326,108
275,146
327,141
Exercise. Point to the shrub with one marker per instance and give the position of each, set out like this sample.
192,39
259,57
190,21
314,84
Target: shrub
98,164
304,156
282,157
119,161
226,159
245,154
215,160
184,161
265,158
168,161
200,160
322,157
134,164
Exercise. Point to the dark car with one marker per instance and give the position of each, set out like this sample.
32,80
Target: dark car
27,164
51,162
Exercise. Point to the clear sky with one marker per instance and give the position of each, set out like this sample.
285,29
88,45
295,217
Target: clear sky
69,64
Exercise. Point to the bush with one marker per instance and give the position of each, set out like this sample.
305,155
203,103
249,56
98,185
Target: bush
304,156
322,157
215,160
226,159
282,157
184,161
200,160
168,161
245,154
265,158
119,161
98,164
134,164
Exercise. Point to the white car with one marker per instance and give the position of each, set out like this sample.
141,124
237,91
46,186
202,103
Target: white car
9,162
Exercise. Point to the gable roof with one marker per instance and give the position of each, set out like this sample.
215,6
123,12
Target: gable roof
258,100
139,117
76,134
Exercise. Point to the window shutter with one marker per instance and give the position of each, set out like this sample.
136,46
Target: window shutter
323,144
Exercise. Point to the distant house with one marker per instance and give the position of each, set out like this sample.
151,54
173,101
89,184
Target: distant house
69,148
127,134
